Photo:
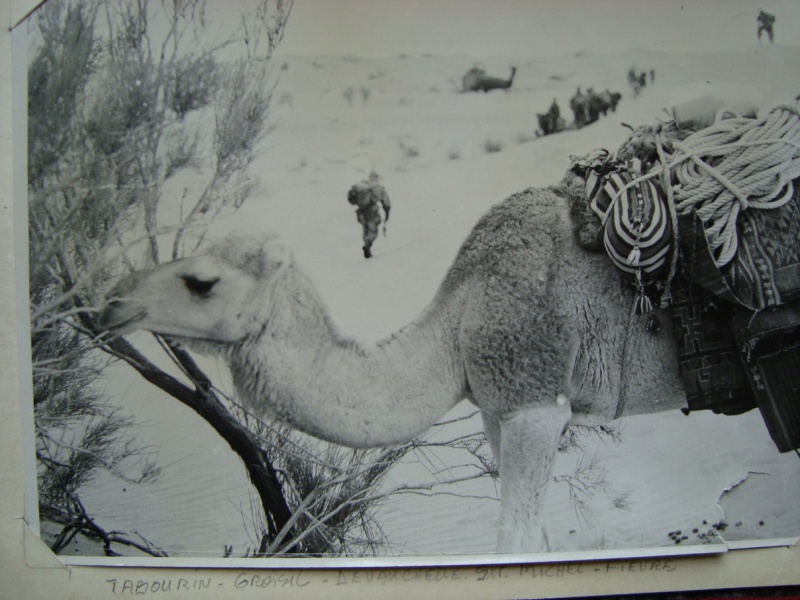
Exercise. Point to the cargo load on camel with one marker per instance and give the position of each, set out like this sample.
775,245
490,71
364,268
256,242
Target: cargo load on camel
705,220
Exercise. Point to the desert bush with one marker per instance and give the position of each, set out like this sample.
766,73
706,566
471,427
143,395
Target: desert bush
180,151
524,138
589,477
192,84
492,145
287,99
108,125
408,150
349,94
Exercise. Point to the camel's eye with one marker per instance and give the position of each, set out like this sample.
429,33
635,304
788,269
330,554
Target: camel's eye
201,287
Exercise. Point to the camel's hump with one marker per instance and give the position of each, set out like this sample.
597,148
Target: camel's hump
531,219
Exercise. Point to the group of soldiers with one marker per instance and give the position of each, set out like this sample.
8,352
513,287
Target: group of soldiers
586,107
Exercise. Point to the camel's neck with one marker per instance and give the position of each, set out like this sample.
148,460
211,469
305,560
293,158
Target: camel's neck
300,371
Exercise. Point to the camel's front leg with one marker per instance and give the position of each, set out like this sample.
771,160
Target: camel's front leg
528,443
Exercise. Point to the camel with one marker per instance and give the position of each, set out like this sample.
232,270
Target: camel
476,80
535,331
579,103
551,121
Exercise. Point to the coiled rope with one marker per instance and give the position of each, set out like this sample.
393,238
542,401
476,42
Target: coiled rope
735,164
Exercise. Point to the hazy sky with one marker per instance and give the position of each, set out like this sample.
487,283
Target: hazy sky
530,27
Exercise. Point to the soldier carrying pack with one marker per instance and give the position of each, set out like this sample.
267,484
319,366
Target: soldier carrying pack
367,196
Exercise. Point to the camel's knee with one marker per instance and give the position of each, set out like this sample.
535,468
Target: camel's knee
529,438
528,431
528,444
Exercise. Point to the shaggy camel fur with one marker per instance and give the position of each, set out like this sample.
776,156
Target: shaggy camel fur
535,331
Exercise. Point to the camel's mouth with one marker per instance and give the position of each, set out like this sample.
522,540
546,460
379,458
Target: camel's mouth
114,319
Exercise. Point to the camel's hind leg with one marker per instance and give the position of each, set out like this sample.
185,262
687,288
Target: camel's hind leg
528,444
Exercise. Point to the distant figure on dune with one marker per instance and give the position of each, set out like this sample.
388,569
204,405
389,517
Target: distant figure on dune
636,80
579,104
611,99
596,105
366,196
765,23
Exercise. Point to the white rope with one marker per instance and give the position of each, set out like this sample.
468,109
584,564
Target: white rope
734,165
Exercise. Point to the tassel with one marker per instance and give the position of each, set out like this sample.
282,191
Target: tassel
643,303
652,325
634,256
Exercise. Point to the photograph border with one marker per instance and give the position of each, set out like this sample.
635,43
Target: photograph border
29,568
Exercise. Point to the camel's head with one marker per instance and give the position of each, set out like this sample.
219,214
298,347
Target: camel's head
222,294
